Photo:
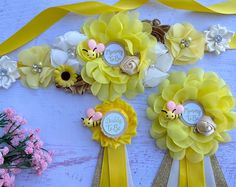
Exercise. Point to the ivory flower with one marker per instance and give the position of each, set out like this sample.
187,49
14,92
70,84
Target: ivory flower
8,72
217,39
185,44
131,118
181,140
111,82
64,50
35,67
158,71
130,65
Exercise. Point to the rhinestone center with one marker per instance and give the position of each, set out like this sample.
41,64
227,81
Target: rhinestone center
71,52
218,38
3,72
185,43
37,68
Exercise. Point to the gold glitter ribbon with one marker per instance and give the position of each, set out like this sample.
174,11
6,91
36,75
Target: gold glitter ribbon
162,177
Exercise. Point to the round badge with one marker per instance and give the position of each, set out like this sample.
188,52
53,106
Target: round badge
114,54
193,112
113,124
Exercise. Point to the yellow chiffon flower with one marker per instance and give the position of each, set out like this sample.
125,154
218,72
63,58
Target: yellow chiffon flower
35,67
109,82
131,118
185,44
65,75
208,90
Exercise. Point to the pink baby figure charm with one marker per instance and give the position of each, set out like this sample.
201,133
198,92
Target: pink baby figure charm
174,111
93,118
95,50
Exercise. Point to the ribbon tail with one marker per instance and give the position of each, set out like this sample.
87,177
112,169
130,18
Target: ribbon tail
227,7
114,170
161,179
218,174
48,17
97,175
232,43
191,174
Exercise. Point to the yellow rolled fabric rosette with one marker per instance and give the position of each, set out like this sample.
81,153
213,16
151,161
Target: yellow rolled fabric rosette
191,114
113,124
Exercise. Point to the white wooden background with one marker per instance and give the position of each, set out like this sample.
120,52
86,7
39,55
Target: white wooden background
58,114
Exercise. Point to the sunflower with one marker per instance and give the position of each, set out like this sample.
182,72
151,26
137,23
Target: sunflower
180,139
65,75
131,118
124,28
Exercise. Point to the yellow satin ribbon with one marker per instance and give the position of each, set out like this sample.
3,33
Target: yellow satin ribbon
48,17
51,15
227,7
232,43
191,174
114,171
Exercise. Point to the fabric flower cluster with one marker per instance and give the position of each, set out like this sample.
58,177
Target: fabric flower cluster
39,66
111,82
115,54
20,149
181,140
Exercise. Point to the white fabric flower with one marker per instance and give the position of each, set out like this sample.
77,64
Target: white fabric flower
217,39
64,51
8,72
158,71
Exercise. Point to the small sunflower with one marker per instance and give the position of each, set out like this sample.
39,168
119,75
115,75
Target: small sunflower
65,75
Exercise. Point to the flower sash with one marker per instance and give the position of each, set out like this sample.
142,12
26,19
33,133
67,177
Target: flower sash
40,23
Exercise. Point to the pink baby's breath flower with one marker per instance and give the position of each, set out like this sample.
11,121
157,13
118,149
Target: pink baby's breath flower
1,159
9,180
30,144
29,150
2,171
15,141
48,157
19,120
38,144
1,182
5,150
10,113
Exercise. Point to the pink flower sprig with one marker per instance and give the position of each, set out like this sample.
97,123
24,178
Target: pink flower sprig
19,149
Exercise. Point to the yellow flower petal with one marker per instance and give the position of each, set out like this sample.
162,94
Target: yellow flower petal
126,29
193,156
177,155
172,146
177,131
180,139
